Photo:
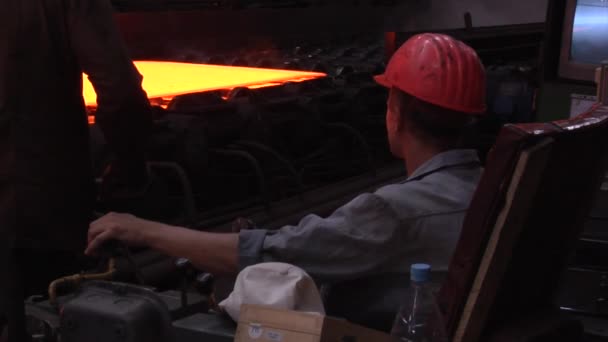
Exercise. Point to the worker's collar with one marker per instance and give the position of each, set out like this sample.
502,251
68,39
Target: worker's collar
447,159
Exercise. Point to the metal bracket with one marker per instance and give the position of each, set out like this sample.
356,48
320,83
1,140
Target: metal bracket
601,79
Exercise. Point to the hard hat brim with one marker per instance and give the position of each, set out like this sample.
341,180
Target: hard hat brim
383,81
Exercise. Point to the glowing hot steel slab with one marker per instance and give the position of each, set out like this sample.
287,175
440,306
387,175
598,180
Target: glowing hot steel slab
168,79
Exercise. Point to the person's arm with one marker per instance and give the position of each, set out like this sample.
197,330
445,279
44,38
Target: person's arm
361,238
123,110
212,252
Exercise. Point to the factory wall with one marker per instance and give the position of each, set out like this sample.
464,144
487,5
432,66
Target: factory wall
418,15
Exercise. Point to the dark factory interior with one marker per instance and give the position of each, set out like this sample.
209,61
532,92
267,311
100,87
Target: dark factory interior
233,170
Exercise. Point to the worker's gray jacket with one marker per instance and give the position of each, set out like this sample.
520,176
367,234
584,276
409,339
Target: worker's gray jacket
418,220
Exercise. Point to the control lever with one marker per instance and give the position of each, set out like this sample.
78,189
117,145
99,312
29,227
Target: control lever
204,284
118,251
188,272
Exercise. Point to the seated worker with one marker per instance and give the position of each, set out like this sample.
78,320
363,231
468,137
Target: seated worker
437,89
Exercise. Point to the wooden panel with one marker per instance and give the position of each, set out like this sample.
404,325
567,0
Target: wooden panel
549,232
522,190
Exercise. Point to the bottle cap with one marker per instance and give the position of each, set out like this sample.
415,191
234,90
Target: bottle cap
420,272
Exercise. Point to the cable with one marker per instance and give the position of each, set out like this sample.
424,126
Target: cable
77,279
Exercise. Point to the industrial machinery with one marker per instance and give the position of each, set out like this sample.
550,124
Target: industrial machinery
267,149
268,135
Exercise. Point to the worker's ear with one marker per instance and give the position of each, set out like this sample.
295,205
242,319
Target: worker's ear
400,105
392,112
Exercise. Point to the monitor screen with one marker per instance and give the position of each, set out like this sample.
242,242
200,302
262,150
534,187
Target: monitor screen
584,40
590,32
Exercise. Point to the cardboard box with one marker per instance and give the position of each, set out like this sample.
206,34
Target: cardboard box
264,324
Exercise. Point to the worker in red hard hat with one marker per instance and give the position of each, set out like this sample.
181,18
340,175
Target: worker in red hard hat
364,249
47,188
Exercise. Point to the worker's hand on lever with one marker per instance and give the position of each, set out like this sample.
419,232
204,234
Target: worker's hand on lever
216,253
121,227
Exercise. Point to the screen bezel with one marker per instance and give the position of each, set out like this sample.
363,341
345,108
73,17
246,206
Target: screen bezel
567,68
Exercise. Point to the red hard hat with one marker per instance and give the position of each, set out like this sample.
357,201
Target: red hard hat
440,70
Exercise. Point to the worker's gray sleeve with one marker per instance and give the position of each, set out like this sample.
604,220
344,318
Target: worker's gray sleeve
357,239
123,110
251,243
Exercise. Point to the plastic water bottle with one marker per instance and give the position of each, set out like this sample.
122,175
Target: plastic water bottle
416,308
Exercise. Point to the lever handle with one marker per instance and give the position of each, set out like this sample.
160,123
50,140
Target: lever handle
187,270
182,263
204,283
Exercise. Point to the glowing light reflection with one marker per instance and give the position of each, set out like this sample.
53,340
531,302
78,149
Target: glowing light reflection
168,79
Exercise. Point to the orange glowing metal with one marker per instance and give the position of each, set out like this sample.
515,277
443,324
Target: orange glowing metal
168,79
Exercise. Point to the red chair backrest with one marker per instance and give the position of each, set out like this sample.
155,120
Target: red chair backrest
550,223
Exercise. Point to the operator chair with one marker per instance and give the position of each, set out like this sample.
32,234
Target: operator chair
522,225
